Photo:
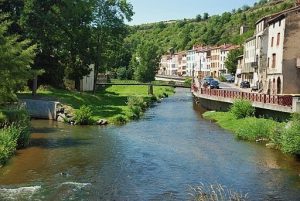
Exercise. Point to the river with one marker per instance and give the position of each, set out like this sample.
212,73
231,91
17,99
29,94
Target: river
156,158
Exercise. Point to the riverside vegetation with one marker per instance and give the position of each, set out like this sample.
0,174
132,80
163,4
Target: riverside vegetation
241,121
117,104
14,131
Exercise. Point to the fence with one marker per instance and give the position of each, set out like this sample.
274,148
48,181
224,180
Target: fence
282,100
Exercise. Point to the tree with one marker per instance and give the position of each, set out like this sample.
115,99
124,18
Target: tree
16,56
232,60
145,62
109,31
198,18
205,16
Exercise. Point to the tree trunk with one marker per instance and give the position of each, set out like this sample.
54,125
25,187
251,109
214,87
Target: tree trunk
34,86
77,84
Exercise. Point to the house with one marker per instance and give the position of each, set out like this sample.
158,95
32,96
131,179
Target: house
202,62
249,70
215,61
283,73
182,64
240,66
191,62
163,65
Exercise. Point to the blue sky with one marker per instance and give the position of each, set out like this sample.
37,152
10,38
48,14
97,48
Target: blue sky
159,10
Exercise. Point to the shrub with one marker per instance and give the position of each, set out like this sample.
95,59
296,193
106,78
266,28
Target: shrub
253,129
119,119
242,108
290,138
83,116
137,106
188,82
222,78
8,143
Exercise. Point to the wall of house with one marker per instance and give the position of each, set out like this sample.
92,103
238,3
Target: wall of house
291,74
87,83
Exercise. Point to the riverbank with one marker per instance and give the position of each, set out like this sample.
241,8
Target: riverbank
108,103
277,135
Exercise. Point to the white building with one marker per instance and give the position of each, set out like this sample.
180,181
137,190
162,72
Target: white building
191,62
249,72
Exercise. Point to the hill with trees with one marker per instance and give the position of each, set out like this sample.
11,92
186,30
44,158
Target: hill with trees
205,29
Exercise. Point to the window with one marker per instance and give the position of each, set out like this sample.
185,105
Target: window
279,22
272,41
274,25
278,39
273,60
268,62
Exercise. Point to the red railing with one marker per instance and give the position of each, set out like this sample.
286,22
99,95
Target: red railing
282,100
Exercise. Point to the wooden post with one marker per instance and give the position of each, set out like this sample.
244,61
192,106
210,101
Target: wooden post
34,86
150,89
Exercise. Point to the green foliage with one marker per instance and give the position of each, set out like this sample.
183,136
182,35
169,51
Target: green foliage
136,106
145,62
14,131
210,30
222,78
232,60
242,108
119,119
124,73
290,139
16,56
8,142
188,82
256,129
83,115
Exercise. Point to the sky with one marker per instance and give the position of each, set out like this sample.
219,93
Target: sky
147,11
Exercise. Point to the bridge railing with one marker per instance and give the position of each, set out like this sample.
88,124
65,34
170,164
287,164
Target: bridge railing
282,100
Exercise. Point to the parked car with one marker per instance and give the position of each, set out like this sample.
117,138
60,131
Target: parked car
214,84
229,78
245,84
206,81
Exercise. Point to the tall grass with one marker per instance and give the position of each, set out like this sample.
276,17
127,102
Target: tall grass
14,131
242,108
215,193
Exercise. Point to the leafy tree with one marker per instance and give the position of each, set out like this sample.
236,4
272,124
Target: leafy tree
16,56
108,32
145,62
205,16
198,18
232,60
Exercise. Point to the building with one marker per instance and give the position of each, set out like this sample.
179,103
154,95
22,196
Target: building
191,62
238,75
215,61
182,64
163,65
249,70
283,73
202,62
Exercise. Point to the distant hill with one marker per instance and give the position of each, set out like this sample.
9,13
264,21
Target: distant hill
205,29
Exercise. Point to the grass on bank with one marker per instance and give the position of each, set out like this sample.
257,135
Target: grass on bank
241,121
14,131
109,103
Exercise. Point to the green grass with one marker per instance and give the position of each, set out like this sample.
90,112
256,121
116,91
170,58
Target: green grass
107,104
249,128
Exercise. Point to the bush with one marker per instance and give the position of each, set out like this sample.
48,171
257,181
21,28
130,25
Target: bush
188,82
242,108
119,119
222,78
253,129
137,106
83,116
8,142
290,138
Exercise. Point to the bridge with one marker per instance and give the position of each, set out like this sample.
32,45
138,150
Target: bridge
213,99
171,83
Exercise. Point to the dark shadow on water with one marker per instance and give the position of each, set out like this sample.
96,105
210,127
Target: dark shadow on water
44,130
48,143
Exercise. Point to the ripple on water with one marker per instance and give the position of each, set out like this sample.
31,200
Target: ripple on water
21,193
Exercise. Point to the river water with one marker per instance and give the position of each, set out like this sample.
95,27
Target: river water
156,158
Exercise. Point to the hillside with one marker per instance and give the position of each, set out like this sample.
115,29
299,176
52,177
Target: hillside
217,29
